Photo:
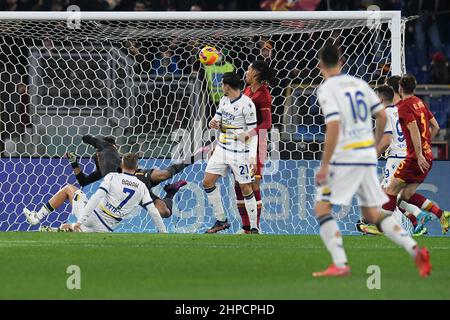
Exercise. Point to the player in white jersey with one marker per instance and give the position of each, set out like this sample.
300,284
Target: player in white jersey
349,160
118,196
235,116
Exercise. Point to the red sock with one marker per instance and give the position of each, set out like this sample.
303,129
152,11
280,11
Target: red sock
413,219
391,204
425,204
417,200
257,194
241,207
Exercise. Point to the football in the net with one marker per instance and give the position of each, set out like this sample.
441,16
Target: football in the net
209,55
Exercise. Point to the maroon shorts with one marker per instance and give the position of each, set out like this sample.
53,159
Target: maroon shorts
408,171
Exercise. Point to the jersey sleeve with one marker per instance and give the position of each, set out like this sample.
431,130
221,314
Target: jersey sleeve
375,104
251,122
265,110
389,129
249,112
106,183
328,104
218,115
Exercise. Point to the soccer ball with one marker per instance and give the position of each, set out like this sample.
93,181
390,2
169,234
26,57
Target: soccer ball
209,55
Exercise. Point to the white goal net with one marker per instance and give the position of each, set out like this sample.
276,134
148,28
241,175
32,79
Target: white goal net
136,77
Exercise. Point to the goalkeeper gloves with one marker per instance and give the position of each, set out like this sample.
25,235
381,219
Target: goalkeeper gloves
73,158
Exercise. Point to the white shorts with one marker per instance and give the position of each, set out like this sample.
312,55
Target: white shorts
346,181
239,163
93,223
389,170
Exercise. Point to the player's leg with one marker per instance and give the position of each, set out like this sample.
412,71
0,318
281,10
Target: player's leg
217,166
241,204
409,196
157,176
241,208
370,197
215,199
395,232
332,238
250,205
66,193
343,181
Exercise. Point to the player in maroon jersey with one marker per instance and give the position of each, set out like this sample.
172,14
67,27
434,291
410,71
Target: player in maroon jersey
419,126
258,75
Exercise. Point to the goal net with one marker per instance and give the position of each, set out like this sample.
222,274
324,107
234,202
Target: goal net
136,76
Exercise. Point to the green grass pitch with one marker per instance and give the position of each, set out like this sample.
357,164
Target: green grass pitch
149,266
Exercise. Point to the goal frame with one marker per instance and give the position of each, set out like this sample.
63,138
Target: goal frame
394,17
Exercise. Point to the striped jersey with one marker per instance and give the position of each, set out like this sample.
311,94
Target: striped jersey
397,148
351,101
124,193
235,117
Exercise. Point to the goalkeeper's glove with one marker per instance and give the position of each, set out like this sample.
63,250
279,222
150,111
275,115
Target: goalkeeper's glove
73,158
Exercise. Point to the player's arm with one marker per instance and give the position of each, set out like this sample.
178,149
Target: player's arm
378,111
434,127
215,121
386,140
384,143
417,143
251,122
266,117
96,143
147,203
333,123
380,120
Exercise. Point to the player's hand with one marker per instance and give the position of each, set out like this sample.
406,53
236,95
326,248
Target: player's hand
214,124
253,165
244,136
423,163
76,227
322,175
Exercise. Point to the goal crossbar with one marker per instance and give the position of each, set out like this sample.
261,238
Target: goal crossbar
210,15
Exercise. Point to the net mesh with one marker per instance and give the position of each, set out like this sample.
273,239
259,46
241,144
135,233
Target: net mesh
141,82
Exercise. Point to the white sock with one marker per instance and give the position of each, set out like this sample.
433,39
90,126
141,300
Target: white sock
394,231
215,200
45,210
251,207
410,208
332,238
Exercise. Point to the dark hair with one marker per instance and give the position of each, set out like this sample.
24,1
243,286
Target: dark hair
329,55
110,140
394,82
130,161
408,83
386,92
265,72
232,79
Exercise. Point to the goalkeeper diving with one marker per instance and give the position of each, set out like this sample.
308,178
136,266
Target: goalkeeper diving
107,160
117,197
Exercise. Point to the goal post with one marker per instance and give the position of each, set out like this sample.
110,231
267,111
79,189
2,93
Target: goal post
136,76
